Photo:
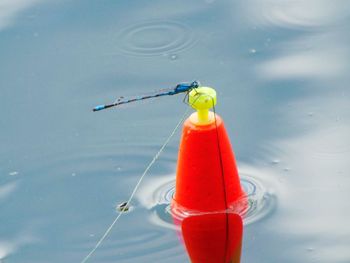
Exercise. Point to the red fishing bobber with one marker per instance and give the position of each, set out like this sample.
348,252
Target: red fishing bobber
207,178
208,192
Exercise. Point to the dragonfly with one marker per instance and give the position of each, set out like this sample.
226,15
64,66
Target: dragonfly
179,88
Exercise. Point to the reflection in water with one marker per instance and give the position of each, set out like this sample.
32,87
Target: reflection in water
213,238
309,57
316,213
6,249
10,246
319,53
296,14
9,9
203,233
301,65
207,236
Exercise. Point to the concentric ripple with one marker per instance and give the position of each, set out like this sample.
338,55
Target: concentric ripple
155,37
261,203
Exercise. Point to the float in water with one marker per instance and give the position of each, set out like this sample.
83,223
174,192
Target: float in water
208,191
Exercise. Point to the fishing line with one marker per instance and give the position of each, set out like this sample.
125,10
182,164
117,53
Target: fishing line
137,186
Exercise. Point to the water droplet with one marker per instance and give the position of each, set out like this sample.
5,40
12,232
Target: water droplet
74,174
310,114
173,57
92,235
13,173
36,34
252,51
286,169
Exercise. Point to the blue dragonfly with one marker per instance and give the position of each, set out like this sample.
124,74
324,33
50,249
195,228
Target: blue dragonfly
179,88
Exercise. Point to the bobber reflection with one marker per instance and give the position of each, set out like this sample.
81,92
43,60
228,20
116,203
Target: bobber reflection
208,187
213,238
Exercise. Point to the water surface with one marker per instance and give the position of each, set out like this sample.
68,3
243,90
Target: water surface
280,69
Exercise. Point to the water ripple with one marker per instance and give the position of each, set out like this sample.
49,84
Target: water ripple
155,37
261,202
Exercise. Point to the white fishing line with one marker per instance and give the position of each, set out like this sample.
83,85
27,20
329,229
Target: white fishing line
137,186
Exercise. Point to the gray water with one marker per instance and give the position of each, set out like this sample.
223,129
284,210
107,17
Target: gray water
281,72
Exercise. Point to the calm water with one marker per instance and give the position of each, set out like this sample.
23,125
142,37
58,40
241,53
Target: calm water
281,72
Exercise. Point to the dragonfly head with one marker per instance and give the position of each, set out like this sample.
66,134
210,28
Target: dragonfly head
195,84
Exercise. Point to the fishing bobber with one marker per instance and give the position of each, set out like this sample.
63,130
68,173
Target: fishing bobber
208,185
207,178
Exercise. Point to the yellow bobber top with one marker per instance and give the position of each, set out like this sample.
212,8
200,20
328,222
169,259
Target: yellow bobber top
202,99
